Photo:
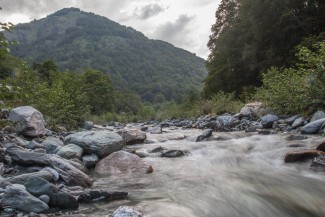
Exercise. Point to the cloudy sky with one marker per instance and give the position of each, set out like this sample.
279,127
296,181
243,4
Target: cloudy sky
183,23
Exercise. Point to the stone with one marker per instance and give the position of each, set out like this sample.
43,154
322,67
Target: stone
90,160
321,146
301,156
4,113
298,122
52,145
101,143
204,135
252,109
317,116
28,121
127,211
319,163
268,120
122,162
132,136
18,198
88,125
38,187
296,137
96,195
34,145
2,169
313,127
2,155
45,198
70,151
174,153
223,123
155,130
292,119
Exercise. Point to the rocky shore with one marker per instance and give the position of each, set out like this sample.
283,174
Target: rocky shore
47,173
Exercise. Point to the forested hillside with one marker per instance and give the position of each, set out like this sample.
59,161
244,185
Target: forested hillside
250,36
78,40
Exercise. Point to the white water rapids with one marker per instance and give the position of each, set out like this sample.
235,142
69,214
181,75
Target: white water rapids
242,176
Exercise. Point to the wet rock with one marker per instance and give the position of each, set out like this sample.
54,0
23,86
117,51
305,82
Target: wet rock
2,169
132,136
223,123
52,145
321,146
298,122
300,156
122,162
101,143
90,160
101,195
157,149
292,119
70,151
317,116
127,211
28,121
2,155
26,158
268,120
18,198
155,130
38,187
296,137
21,179
45,198
204,135
296,146
264,132
34,145
313,127
319,162
142,152
88,125
174,153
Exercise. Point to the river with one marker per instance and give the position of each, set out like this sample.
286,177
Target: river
235,175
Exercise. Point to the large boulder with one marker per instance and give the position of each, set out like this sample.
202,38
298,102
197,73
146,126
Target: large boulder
28,121
101,143
122,162
317,116
38,187
132,136
70,151
224,123
301,156
252,109
268,120
18,198
313,127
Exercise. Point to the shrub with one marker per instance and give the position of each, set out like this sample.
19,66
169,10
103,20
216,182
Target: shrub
225,102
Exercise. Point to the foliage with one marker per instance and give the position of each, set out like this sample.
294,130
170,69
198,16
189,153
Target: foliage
76,40
300,89
250,36
225,102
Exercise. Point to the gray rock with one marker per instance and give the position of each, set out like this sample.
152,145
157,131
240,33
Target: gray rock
38,187
122,162
90,160
252,109
298,122
28,121
292,119
2,155
95,195
101,143
45,198
2,169
268,120
317,116
88,125
204,135
132,136
321,146
70,151
313,127
18,198
127,211
223,123
155,130
174,153
34,145
296,137
52,145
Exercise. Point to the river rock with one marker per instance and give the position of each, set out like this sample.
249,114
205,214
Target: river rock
28,121
300,156
96,195
204,135
18,198
132,136
296,137
292,119
321,146
223,123
122,162
2,155
174,153
252,109
2,169
127,211
155,130
70,151
52,145
101,143
88,125
298,122
268,120
90,160
317,116
45,198
319,162
34,145
313,127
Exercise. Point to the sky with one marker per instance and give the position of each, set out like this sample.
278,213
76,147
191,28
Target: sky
183,23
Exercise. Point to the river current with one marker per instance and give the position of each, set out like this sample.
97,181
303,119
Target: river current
235,175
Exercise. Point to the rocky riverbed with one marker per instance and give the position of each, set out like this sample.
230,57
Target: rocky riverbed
229,165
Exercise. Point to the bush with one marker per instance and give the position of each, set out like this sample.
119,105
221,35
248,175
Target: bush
300,89
225,102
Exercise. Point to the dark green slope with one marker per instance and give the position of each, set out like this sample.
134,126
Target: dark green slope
77,40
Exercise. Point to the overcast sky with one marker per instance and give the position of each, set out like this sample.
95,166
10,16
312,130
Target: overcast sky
183,23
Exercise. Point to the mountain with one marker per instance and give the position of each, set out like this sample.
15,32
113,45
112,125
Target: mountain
78,40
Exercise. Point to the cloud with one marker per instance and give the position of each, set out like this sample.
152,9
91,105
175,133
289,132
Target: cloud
148,11
176,32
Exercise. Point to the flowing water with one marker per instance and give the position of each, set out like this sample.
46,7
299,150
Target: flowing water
242,176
